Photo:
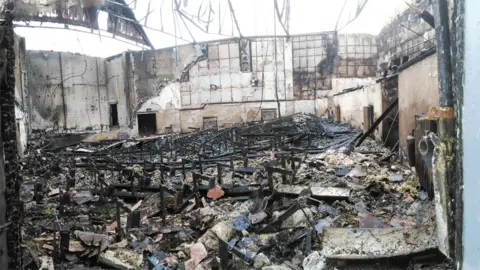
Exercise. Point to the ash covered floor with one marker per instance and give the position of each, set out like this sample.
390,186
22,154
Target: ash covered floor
291,193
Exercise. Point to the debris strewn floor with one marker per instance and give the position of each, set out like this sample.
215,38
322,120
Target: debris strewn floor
291,193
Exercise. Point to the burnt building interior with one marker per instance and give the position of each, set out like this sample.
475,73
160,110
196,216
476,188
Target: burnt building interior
325,150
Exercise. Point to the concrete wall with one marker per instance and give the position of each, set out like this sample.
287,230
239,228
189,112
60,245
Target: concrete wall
21,95
67,92
417,91
232,80
167,105
352,103
228,114
218,78
120,79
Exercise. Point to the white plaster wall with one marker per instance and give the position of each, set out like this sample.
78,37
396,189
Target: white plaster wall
115,73
168,99
216,83
67,91
305,106
228,114
322,106
84,98
352,103
45,95
218,79
417,92
340,84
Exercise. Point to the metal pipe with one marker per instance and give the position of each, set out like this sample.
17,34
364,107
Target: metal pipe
442,33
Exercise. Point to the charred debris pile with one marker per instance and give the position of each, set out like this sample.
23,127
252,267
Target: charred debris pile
291,193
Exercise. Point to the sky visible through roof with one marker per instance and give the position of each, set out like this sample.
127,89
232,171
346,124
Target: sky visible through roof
255,17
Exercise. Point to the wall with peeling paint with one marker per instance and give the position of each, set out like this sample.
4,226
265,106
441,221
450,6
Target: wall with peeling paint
352,104
121,88
232,80
228,114
216,78
417,92
67,92
166,104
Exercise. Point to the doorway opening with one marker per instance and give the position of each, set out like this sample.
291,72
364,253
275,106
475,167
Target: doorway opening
269,114
113,115
147,124
210,122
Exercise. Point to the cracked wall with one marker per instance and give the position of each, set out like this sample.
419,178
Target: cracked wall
232,80
67,92
215,79
417,92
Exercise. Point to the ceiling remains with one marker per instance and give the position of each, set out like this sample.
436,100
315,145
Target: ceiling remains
121,19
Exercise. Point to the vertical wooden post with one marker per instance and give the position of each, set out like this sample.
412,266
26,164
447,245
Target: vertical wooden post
337,115
367,117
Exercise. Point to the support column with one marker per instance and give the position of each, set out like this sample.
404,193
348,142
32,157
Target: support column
14,208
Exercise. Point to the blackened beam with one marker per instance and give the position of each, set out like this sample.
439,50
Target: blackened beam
13,180
279,170
272,226
202,177
224,254
378,121
148,188
225,249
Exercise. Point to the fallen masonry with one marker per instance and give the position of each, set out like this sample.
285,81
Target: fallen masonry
290,193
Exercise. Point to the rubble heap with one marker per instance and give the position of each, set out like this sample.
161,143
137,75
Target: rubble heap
290,193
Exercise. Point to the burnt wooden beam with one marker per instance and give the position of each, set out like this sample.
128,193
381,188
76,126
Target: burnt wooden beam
13,180
377,122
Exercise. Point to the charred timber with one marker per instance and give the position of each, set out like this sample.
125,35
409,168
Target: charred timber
9,136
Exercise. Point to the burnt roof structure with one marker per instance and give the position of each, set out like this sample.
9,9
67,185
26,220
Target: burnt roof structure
121,19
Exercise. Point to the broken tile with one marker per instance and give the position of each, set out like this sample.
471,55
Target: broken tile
215,193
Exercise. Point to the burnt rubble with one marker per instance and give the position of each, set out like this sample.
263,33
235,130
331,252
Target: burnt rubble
291,193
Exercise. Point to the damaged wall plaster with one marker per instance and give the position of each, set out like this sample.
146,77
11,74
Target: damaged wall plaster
219,81
352,103
116,84
67,92
417,91
184,84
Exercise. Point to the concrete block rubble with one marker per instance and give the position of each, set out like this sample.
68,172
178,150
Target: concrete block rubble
289,193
